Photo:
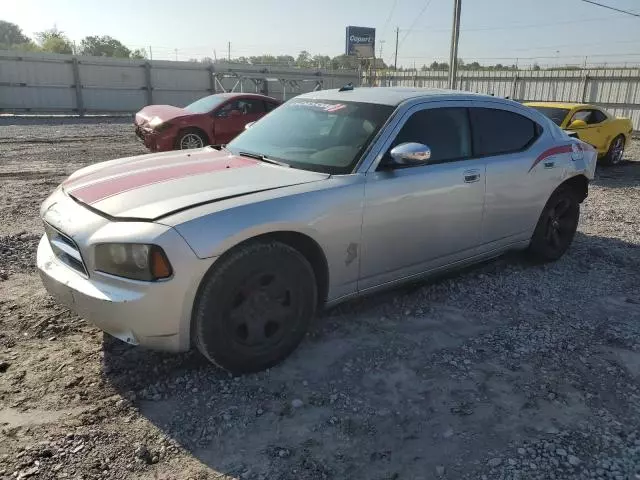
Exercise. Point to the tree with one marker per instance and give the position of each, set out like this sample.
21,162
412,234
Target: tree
345,62
11,34
139,54
287,60
439,66
321,61
54,41
262,60
304,59
105,46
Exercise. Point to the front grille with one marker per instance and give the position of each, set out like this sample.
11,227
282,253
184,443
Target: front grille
65,249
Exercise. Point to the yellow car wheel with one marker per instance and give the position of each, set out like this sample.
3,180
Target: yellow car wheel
616,151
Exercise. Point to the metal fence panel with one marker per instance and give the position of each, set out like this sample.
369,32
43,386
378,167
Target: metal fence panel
105,75
112,100
618,91
37,82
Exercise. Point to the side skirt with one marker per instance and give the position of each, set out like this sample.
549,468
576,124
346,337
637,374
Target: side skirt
520,245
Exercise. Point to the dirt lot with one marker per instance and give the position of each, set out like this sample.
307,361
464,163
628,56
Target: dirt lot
503,371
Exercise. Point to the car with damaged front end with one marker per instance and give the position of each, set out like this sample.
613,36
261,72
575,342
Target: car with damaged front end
335,194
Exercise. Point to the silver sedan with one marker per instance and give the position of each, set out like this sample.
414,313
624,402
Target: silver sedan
333,195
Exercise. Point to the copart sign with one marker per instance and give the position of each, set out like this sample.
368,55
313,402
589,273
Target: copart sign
361,42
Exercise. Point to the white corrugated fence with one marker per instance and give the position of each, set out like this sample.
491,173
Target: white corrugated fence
617,90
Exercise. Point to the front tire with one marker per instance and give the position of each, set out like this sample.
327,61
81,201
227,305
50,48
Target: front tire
556,226
255,307
190,138
615,153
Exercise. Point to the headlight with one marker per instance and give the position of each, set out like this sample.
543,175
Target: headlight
158,125
132,260
155,121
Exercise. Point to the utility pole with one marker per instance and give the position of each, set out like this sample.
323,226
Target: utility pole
229,51
150,53
176,52
395,60
455,34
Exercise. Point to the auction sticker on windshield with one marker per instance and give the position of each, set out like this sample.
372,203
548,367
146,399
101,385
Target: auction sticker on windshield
326,107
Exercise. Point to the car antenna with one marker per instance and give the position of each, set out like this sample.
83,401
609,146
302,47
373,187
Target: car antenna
347,87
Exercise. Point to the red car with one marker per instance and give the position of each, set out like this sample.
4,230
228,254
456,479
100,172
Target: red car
212,120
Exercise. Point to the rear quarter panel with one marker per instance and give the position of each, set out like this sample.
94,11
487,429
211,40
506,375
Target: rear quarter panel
621,126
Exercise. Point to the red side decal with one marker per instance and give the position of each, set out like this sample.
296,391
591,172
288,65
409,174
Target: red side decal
113,186
550,152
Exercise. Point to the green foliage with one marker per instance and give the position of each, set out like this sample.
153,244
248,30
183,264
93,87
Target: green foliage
21,47
345,62
54,41
139,53
106,46
304,59
439,66
11,34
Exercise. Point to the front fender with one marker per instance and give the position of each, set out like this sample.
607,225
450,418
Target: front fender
332,217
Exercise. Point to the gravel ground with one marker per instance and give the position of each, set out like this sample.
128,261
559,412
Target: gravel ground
504,371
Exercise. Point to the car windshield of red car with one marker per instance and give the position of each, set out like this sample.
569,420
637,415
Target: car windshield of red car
205,105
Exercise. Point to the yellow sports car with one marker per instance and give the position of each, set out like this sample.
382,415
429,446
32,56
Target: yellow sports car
591,124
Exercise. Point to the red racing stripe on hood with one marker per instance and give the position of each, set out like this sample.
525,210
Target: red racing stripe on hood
109,187
150,162
550,152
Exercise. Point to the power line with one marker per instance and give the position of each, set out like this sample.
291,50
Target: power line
612,8
526,58
416,20
517,27
386,23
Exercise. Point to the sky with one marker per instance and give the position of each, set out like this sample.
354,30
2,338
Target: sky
546,32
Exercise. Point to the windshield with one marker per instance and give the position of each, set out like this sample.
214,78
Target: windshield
557,115
205,105
324,135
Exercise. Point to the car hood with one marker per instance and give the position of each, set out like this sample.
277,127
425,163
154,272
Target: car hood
152,186
164,112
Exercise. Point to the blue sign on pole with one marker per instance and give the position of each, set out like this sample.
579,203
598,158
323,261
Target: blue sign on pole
361,42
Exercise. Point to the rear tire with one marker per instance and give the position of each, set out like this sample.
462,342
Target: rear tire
615,153
556,226
255,307
190,138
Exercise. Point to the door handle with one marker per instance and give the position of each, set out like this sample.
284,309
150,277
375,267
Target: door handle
471,176
549,164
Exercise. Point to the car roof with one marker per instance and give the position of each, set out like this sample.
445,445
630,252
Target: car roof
240,94
390,95
567,105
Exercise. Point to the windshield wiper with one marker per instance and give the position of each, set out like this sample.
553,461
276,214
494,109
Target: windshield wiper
263,158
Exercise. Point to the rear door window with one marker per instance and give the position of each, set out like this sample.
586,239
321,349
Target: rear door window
497,132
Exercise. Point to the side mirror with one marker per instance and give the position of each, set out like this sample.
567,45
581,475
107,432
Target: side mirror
410,154
577,124
249,125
